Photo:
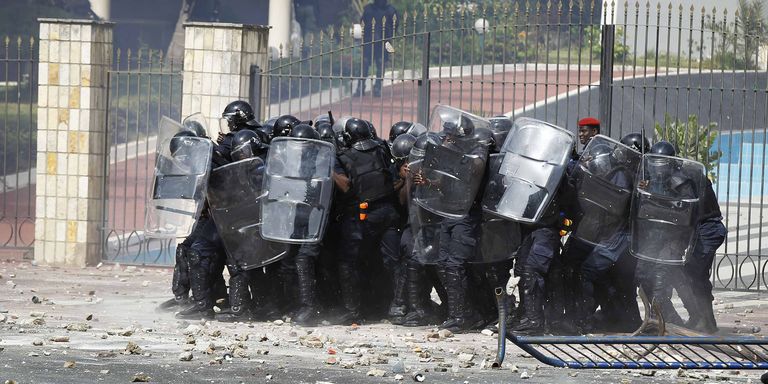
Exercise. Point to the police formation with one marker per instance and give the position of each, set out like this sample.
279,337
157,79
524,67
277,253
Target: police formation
322,221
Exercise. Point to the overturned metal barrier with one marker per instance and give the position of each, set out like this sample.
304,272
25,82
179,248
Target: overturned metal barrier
646,352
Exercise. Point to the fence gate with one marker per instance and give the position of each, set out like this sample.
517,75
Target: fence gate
18,144
690,75
143,87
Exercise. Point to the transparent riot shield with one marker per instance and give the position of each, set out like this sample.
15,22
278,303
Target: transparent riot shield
182,168
298,189
197,123
234,196
665,208
534,157
603,180
499,240
454,169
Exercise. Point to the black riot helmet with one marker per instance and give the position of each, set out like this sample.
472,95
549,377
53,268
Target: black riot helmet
462,128
663,148
178,140
322,118
284,125
357,134
420,146
239,115
401,146
636,141
304,131
500,126
325,130
600,159
483,136
398,129
246,143
267,127
195,127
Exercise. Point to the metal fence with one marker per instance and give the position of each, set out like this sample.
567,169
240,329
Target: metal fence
694,76
143,87
18,116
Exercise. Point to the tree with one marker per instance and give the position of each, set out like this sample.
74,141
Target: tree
692,140
737,43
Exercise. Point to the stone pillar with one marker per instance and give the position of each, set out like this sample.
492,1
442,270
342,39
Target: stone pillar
217,62
75,56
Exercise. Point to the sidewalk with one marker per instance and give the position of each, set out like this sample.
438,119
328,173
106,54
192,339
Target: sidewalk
99,324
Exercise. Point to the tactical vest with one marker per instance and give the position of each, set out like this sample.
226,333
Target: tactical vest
710,208
368,172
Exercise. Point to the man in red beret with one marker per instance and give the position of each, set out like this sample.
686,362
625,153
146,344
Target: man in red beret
588,127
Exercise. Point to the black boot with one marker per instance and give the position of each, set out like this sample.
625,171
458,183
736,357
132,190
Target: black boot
199,279
397,308
460,318
532,296
350,294
417,313
239,297
307,314
180,282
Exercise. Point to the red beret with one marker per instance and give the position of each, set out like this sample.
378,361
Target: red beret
589,121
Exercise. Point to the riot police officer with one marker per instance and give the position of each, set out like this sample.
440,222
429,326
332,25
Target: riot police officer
369,212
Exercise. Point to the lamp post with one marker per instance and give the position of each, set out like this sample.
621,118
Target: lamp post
481,27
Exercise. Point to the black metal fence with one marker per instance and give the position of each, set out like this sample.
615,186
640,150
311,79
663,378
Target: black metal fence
18,143
143,87
694,76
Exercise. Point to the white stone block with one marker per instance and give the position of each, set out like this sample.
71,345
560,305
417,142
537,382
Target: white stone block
82,186
189,38
61,165
237,40
85,99
198,39
61,209
50,230
189,60
63,95
61,141
64,52
54,55
52,121
53,33
75,53
72,207
227,45
208,61
65,31
85,116
218,39
71,189
82,230
53,97
216,84
74,119
61,252
206,86
226,62
197,63
50,213
85,33
186,83
44,31
42,102
72,167
186,107
64,74
39,230
85,53
50,252
75,34
235,65
82,166
42,71
208,39
205,103
42,140
82,207
216,64
197,83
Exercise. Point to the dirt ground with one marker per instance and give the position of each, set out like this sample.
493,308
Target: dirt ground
99,324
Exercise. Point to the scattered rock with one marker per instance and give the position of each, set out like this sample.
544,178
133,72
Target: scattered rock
36,300
348,364
399,377
215,333
105,354
756,329
69,364
192,329
89,317
33,354
190,339
331,361
648,373
141,377
278,322
441,369
3,318
311,341
377,372
78,327
60,339
444,334
11,284
132,349
525,375
487,332
242,353
104,371
38,314
35,321
466,357
242,337
185,356
145,283
419,377
748,310
398,367
514,369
